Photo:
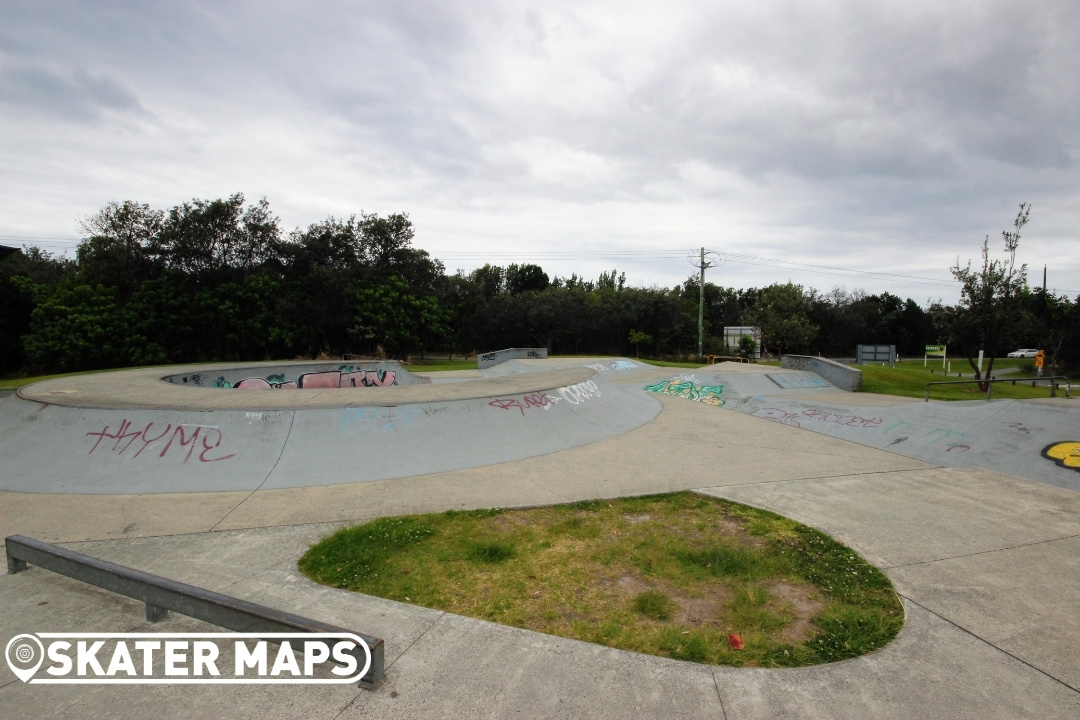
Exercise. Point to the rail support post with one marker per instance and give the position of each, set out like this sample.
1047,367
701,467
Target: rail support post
155,613
15,565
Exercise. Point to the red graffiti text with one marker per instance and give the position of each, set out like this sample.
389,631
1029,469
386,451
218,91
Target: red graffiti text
539,400
204,438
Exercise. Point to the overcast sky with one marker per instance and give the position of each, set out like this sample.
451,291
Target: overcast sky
877,137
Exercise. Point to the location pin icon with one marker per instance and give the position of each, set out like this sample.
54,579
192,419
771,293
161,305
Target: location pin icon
24,654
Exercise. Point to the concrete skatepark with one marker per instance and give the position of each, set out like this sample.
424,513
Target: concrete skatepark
225,488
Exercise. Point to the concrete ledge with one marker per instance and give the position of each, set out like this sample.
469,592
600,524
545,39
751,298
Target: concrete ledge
840,375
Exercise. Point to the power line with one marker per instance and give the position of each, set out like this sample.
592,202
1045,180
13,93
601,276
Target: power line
34,237
731,257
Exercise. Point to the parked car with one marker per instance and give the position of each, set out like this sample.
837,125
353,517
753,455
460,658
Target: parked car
1023,353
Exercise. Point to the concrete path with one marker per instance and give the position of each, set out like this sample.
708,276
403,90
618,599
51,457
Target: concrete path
987,564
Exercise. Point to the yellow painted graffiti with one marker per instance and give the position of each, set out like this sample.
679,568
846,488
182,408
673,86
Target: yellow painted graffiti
1065,454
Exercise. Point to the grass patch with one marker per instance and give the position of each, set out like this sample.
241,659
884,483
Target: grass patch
491,552
730,560
438,364
670,575
909,379
653,604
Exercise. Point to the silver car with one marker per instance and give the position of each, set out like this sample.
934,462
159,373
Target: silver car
1024,353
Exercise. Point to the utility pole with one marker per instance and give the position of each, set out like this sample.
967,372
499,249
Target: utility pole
701,308
700,263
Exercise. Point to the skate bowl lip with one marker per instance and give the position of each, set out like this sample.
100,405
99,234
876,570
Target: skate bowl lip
144,388
294,375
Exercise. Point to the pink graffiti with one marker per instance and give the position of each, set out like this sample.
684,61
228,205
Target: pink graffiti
365,378
535,400
184,435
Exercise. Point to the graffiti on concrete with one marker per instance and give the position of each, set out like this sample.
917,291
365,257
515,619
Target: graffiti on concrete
939,438
598,367
797,419
1018,427
580,392
343,377
268,383
778,415
193,437
1064,454
621,365
686,388
935,439
379,419
824,416
532,401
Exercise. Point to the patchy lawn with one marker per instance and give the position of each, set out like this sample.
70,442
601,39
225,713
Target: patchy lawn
909,379
671,575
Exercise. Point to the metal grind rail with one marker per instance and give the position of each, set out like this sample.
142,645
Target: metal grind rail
990,384
162,595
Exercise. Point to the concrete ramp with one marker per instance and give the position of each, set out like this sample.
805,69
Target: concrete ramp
56,448
726,388
60,446
600,366
1009,436
1034,439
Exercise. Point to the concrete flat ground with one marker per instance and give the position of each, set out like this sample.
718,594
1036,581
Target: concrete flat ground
987,565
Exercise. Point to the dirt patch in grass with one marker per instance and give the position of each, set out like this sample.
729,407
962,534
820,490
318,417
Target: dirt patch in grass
670,575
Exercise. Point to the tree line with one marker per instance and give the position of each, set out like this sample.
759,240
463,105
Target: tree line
220,280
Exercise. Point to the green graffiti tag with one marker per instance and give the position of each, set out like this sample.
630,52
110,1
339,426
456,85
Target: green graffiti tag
677,387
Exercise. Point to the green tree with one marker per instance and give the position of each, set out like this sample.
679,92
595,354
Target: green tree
25,279
1055,320
782,314
636,338
991,315
119,248
391,316
523,278
76,327
747,346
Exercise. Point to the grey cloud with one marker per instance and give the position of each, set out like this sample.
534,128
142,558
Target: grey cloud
918,121
74,97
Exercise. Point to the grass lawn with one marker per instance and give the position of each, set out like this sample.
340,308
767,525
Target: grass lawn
672,575
909,379
439,364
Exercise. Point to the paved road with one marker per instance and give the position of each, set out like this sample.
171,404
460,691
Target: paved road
987,564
